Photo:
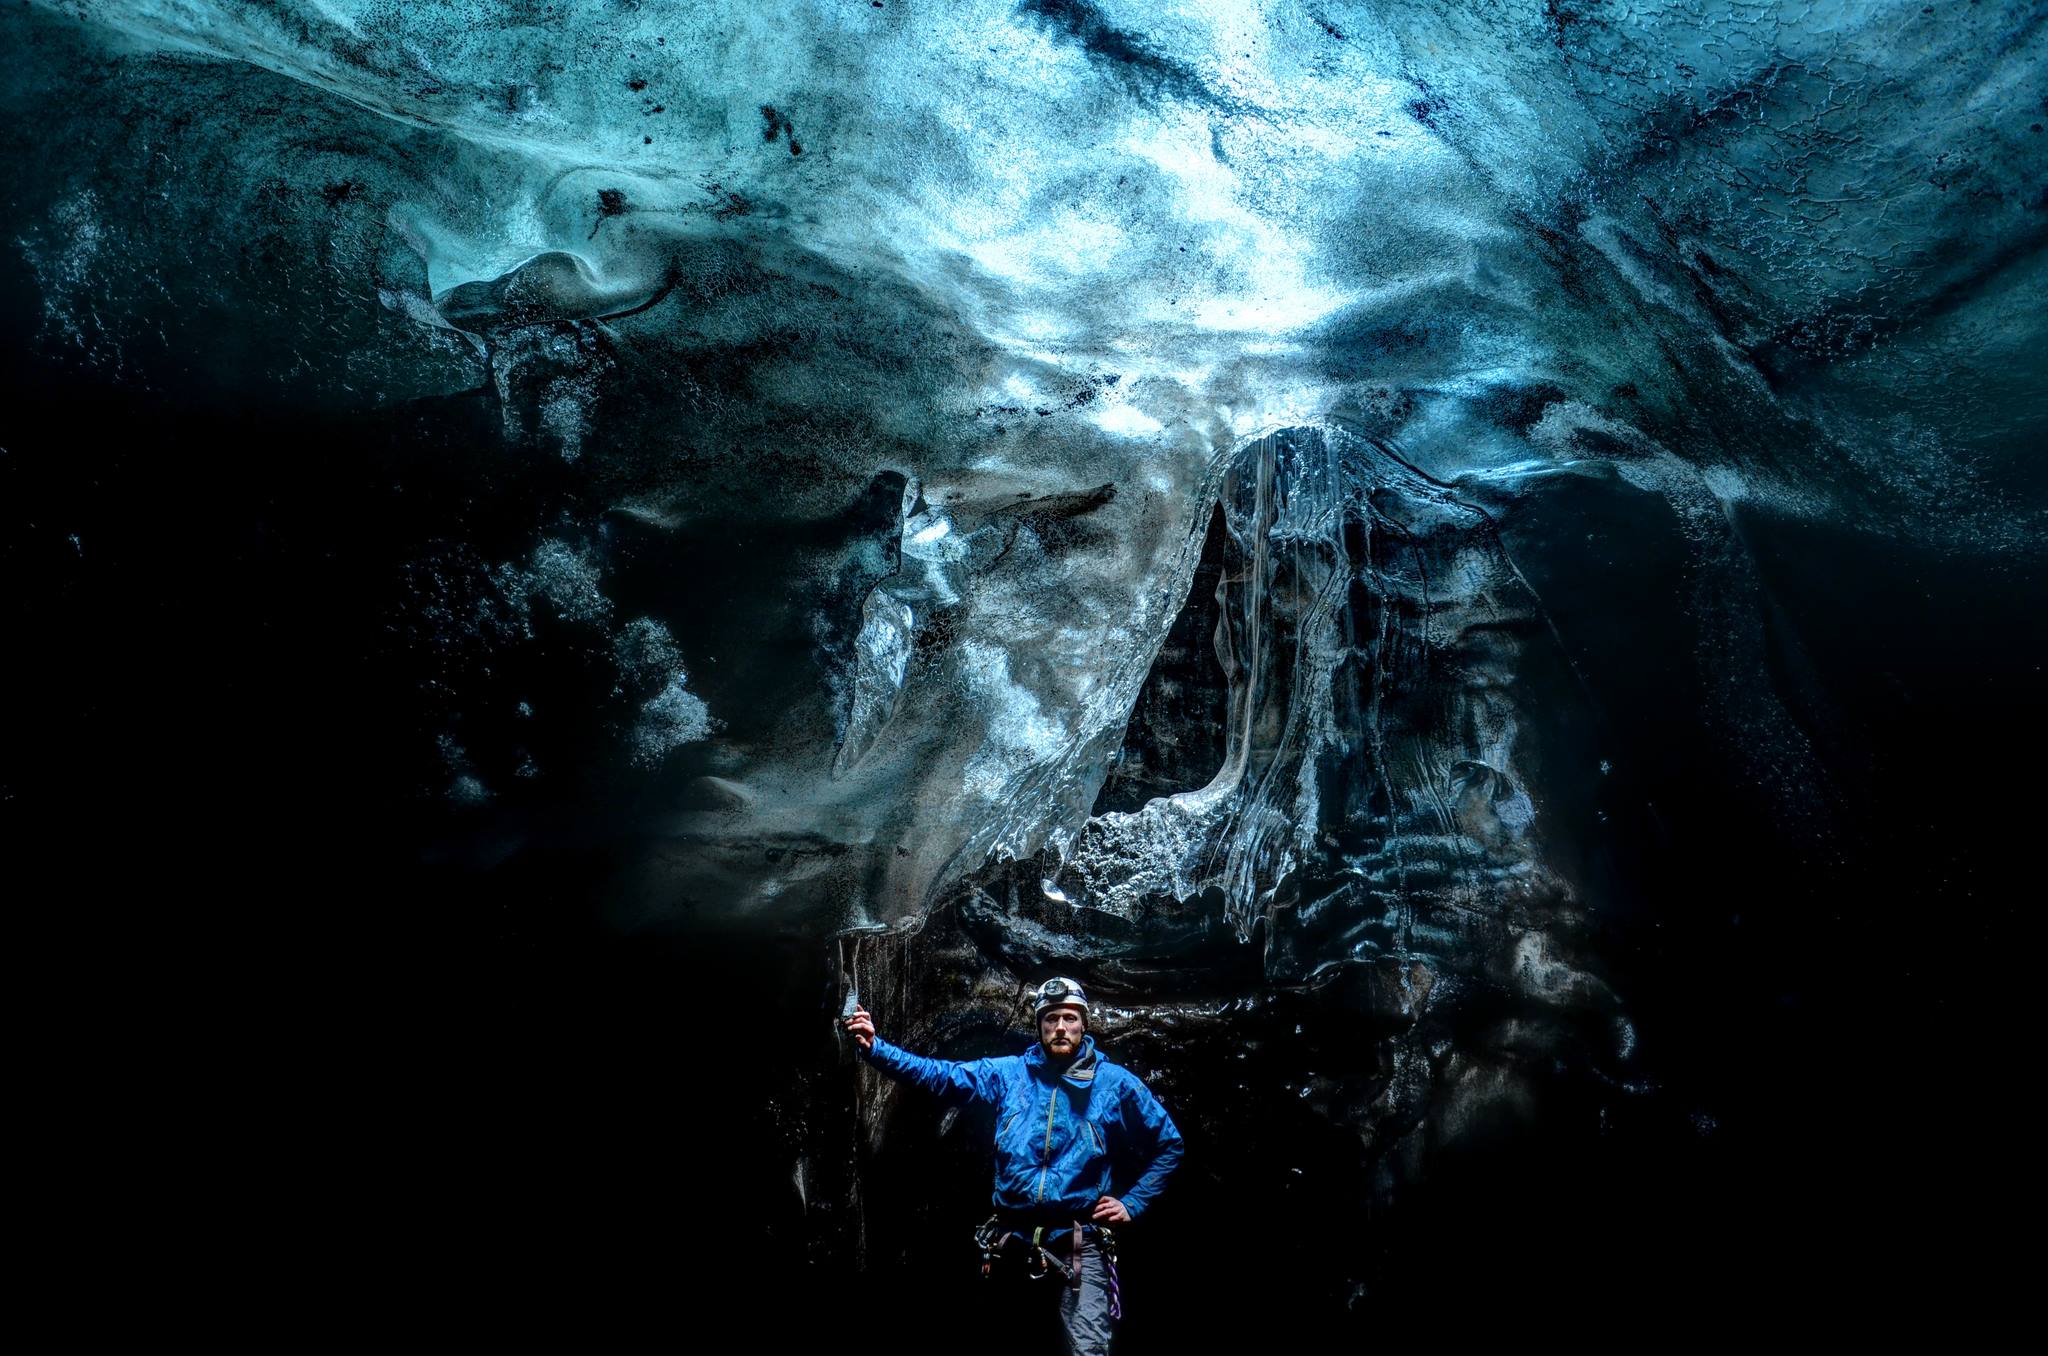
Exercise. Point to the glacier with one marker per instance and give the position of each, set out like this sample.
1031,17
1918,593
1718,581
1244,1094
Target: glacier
1433,545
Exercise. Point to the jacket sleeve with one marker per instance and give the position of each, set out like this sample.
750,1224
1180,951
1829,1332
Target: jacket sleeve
1155,1142
973,1081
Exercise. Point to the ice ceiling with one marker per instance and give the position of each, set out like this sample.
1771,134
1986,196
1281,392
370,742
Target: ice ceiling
1021,284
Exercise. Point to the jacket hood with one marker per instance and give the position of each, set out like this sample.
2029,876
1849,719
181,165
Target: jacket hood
1080,1074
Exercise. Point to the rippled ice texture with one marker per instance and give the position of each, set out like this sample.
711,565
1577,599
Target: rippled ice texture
1023,283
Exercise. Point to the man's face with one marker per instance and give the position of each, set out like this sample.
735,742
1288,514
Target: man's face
1060,1031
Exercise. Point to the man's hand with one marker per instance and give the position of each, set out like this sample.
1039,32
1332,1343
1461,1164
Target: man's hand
863,1028
1110,1210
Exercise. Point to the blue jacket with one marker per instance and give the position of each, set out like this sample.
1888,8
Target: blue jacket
1060,1140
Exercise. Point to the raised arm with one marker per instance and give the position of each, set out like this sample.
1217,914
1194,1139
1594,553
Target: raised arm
974,1080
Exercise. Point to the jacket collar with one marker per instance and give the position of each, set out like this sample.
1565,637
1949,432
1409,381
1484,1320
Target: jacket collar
1079,1075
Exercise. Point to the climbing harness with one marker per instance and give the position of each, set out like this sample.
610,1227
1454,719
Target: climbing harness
1040,1261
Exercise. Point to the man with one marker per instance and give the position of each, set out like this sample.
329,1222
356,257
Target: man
1069,1124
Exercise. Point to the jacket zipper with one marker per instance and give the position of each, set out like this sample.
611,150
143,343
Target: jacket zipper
1050,1103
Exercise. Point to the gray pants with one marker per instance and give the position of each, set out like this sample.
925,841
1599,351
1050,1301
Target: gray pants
1039,1314
1084,1313
1028,1312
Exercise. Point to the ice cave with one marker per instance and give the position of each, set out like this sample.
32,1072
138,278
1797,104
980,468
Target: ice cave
1472,568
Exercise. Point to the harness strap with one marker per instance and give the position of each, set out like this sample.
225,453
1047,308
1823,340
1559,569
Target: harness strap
993,1240
1105,1240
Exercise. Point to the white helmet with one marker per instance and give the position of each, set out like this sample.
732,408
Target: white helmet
1059,993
